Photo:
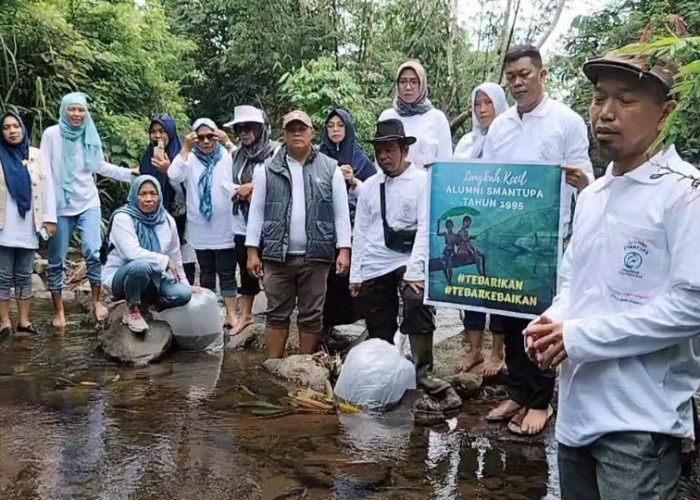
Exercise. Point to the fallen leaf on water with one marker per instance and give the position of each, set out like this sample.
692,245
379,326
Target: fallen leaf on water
116,378
348,408
259,404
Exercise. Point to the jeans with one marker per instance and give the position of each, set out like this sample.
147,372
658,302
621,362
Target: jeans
88,224
621,466
221,262
139,284
16,270
379,299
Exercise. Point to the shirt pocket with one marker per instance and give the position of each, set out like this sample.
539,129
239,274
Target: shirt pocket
406,214
636,264
548,147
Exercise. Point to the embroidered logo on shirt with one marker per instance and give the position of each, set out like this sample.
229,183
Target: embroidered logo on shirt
635,251
545,150
633,260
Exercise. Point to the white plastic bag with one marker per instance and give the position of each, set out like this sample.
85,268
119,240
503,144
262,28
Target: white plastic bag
198,325
375,376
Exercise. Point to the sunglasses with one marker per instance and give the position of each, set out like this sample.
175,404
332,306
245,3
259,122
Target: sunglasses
207,137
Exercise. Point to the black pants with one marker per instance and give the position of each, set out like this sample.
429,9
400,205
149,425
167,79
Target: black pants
190,271
380,307
527,384
249,284
340,308
218,262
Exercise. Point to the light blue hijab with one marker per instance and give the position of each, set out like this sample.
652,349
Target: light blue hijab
146,224
208,161
86,134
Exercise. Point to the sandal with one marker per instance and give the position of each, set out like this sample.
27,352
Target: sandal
27,329
503,418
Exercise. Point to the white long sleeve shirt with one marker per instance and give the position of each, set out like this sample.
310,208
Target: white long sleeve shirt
630,305
406,208
432,133
217,233
550,133
127,248
85,195
297,229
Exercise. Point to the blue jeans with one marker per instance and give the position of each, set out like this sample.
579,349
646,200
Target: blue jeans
16,270
139,284
88,223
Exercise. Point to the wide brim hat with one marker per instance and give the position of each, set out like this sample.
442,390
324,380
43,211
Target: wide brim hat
392,130
246,114
662,71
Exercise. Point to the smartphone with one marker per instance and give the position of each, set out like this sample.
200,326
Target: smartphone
44,234
158,148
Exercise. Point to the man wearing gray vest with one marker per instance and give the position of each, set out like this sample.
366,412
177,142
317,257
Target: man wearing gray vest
298,216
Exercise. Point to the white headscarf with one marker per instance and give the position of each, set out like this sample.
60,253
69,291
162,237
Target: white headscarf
472,144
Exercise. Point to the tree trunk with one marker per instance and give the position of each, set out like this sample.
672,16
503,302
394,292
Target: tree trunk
553,24
502,46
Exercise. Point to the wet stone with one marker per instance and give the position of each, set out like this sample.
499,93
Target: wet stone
252,337
38,284
301,369
467,385
121,344
40,266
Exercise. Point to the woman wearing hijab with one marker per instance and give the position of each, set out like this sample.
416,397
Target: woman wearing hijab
27,204
253,128
420,119
72,152
206,170
488,101
144,265
338,142
162,149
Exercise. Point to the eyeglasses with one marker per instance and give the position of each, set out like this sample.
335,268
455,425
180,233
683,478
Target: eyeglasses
207,137
405,81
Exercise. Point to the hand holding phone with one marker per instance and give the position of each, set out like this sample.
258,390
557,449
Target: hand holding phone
159,148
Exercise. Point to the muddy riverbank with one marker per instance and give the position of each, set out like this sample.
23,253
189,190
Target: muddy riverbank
75,426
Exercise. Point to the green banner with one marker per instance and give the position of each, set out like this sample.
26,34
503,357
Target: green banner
494,242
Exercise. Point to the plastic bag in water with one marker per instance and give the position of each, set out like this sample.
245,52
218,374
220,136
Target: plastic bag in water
375,376
198,325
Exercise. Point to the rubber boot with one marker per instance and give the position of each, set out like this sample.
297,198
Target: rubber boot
275,341
308,342
422,352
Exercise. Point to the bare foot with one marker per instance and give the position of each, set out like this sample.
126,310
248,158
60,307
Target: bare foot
59,320
242,324
535,421
504,411
469,360
517,420
494,365
100,311
230,322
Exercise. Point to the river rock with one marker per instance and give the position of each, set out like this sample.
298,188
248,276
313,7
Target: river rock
252,337
40,266
301,369
467,385
120,343
38,284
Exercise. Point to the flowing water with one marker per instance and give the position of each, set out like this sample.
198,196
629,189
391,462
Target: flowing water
75,426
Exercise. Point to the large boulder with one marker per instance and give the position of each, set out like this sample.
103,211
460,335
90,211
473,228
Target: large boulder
121,344
302,369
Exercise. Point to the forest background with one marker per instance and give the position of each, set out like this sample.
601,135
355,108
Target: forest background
195,58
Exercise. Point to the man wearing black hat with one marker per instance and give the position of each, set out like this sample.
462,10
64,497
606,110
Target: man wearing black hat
390,247
625,324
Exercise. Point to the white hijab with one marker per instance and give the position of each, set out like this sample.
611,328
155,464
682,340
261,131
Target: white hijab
472,144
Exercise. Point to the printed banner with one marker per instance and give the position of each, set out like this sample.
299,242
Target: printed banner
494,241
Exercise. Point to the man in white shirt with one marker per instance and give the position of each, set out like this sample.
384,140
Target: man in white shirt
390,249
537,129
298,215
625,323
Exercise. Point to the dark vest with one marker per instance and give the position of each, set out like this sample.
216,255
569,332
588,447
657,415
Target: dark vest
320,218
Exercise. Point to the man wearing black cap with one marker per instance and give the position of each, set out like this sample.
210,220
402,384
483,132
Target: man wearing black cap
390,248
625,324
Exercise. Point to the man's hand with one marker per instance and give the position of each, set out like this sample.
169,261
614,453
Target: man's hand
545,343
244,191
342,264
173,270
416,286
162,164
196,289
576,177
349,175
190,142
50,228
355,289
255,268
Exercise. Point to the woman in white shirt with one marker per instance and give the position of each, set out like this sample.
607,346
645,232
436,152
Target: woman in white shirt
253,129
420,119
72,152
144,265
206,169
488,101
27,205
